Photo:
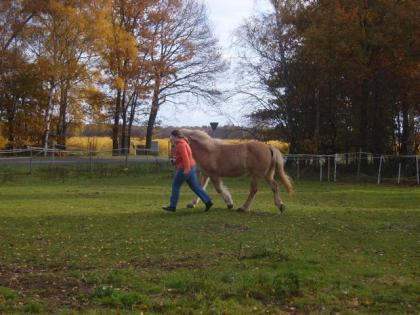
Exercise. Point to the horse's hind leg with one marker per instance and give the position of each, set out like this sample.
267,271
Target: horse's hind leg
223,191
252,191
275,188
204,181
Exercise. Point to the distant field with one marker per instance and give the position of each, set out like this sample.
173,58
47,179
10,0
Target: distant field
102,245
105,144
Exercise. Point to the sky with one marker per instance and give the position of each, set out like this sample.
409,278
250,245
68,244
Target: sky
224,16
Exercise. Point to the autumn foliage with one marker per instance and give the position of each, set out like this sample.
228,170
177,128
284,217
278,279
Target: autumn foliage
328,76
115,62
340,76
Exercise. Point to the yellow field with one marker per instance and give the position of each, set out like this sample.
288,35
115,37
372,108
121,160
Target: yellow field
104,144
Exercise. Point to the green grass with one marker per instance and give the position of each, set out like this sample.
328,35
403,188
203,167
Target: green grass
102,245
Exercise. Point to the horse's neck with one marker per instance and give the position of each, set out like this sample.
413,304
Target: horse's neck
202,152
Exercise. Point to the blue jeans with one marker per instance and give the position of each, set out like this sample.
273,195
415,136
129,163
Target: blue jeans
192,181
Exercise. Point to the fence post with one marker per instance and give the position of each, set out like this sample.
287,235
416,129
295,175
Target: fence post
126,158
380,168
90,161
399,172
30,161
328,167
298,168
320,169
417,169
335,167
358,163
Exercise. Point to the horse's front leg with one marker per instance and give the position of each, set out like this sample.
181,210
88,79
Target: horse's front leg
223,191
204,181
252,191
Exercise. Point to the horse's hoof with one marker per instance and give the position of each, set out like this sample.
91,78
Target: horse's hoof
282,208
190,205
230,206
241,210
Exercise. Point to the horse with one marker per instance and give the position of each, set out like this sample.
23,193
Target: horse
255,159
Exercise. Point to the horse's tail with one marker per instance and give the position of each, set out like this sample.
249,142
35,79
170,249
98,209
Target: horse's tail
279,166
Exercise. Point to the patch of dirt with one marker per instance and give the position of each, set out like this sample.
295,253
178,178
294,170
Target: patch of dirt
48,284
216,226
54,285
190,262
390,280
235,227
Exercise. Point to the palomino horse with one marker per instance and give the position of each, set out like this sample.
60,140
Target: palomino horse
255,159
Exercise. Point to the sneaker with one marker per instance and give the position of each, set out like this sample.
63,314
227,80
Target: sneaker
208,205
170,209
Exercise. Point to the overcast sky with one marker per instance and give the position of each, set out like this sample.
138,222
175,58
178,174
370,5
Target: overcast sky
225,16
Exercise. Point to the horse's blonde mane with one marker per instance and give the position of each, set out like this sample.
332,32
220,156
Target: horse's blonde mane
201,137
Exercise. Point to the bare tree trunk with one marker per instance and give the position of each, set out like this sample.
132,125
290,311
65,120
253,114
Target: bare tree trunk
11,139
153,114
47,117
115,127
317,120
406,130
363,128
131,118
11,125
123,138
398,134
62,124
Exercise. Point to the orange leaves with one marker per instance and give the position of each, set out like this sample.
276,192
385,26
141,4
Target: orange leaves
119,83
124,49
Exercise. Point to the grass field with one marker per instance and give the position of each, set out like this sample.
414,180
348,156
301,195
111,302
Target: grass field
103,246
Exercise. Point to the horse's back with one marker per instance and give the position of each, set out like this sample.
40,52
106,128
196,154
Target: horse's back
259,157
243,159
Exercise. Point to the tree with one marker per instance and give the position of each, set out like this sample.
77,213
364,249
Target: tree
185,57
60,41
337,73
124,63
21,100
15,15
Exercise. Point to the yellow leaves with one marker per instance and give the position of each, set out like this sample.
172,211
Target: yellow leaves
119,49
119,83
123,43
67,20
96,98
3,142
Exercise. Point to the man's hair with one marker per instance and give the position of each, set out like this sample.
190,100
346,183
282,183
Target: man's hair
177,133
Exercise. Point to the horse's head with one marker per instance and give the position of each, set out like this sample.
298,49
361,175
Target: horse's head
195,135
200,138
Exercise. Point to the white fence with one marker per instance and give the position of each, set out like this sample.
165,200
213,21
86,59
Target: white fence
332,168
33,157
359,165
